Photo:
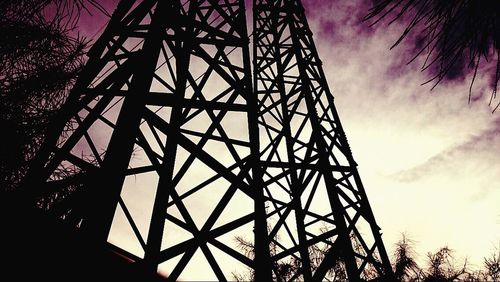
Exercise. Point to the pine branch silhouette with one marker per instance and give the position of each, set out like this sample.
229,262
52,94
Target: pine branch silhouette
454,36
39,61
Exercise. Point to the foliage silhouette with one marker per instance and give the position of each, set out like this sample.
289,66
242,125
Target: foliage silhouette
440,266
289,270
492,266
39,61
404,264
453,35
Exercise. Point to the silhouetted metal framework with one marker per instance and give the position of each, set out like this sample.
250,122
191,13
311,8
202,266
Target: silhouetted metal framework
167,150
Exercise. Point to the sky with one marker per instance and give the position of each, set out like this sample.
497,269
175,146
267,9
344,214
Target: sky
429,160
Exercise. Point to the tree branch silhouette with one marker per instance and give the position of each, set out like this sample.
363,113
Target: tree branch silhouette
454,36
39,61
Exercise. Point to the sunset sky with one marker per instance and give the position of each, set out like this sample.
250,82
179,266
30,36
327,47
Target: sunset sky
429,161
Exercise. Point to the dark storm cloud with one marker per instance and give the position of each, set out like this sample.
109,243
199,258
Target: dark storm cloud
341,23
339,20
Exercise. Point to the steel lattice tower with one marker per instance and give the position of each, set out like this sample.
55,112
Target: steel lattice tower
172,144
